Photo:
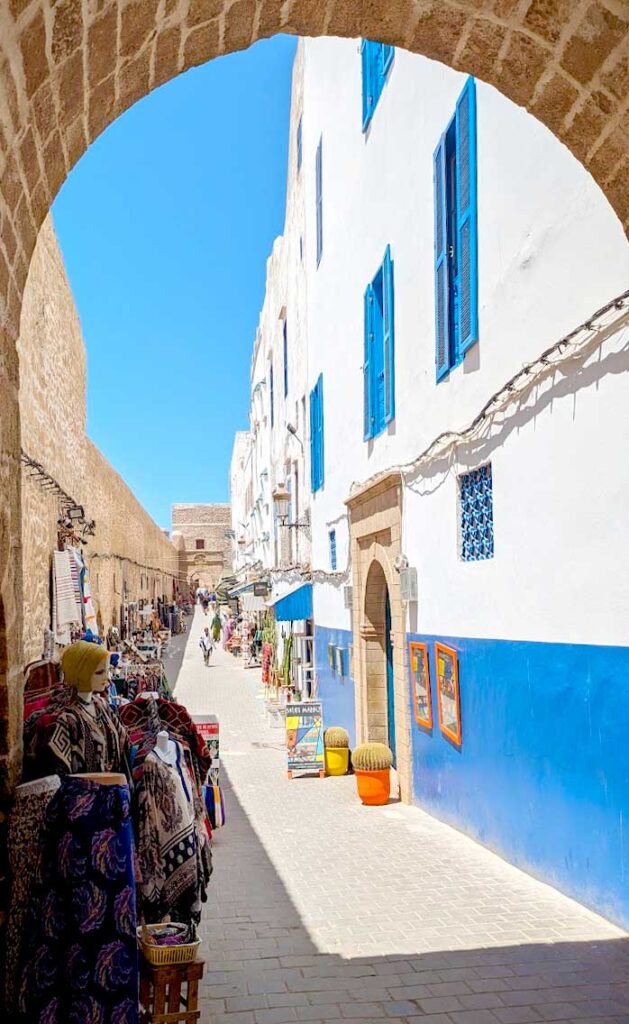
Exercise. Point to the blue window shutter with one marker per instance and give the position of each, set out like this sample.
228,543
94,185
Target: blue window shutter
313,440
388,337
466,218
332,537
320,431
387,58
367,366
271,395
442,283
319,184
285,340
368,88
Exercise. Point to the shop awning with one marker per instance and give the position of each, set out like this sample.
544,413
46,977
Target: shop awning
242,588
295,605
250,602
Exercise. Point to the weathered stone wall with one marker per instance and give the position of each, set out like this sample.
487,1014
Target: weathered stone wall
129,552
209,523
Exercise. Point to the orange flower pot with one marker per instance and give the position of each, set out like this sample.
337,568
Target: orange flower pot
374,788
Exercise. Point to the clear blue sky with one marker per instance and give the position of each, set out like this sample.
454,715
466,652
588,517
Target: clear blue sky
165,226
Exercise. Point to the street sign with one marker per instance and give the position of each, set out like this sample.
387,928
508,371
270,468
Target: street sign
304,737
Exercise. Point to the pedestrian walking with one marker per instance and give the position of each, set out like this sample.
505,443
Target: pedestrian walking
207,645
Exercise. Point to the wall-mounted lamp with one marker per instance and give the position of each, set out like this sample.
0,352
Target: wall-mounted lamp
281,501
293,430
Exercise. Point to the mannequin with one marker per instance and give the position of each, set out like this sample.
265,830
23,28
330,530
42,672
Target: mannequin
166,749
88,739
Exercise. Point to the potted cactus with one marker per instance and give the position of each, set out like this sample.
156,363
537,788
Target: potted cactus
336,742
372,766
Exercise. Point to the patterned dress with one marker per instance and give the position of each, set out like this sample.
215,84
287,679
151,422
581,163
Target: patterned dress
171,840
83,962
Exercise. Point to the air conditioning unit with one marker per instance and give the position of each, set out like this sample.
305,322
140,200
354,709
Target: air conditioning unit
348,596
408,584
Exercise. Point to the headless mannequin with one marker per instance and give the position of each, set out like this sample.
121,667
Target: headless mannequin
166,749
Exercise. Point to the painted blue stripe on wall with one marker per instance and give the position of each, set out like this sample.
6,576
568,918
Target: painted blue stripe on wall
542,776
336,692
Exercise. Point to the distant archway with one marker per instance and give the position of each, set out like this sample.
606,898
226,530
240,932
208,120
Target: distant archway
68,70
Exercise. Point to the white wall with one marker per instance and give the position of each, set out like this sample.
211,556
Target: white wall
551,251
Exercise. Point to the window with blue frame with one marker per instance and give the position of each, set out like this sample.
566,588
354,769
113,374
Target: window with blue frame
379,359
319,198
376,61
285,347
299,146
456,236
271,394
332,539
316,436
476,508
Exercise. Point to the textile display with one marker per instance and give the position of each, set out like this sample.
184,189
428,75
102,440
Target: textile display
83,962
145,716
83,741
67,613
170,840
25,849
215,804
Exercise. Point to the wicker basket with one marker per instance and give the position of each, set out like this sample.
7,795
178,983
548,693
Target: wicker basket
162,956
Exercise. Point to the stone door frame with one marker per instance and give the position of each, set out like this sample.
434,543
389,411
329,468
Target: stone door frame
375,523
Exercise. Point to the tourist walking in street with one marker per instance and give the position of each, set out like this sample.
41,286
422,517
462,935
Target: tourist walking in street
207,645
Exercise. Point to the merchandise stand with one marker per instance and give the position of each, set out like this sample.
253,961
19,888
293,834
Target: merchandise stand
170,994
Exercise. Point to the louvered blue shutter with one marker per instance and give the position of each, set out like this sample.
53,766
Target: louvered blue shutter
367,366
320,432
367,81
319,184
313,440
388,331
442,283
466,218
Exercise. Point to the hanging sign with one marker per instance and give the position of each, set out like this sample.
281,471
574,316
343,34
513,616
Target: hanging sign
304,737
448,693
260,589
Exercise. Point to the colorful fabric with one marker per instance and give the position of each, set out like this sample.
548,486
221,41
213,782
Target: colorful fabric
215,805
25,846
83,962
171,840
86,742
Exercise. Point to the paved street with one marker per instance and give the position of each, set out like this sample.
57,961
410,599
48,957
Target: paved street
322,910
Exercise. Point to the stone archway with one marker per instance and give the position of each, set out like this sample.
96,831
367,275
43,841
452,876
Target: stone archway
68,69
375,533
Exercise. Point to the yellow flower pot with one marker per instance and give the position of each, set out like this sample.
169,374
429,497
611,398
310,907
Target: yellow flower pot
336,760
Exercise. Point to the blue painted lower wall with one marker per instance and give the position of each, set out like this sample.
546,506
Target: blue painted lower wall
542,776
335,691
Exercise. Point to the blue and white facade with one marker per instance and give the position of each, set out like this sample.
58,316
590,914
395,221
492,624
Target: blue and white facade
448,241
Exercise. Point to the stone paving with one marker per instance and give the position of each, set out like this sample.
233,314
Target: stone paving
321,909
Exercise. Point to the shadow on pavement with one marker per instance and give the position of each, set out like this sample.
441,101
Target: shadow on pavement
262,966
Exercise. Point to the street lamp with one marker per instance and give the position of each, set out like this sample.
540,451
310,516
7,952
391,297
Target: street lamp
281,501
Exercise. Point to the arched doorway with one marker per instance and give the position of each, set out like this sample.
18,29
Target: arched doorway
69,69
377,634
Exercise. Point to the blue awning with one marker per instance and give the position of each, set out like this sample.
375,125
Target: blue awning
295,605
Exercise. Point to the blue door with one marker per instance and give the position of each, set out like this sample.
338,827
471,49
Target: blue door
390,690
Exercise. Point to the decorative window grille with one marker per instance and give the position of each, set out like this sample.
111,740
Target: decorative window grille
332,539
476,504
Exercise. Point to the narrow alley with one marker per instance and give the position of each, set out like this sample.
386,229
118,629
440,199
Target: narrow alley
321,909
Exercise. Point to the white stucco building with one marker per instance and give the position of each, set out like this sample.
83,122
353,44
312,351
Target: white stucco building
438,240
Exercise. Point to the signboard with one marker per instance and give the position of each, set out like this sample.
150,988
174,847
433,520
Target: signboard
260,589
208,727
420,684
304,737
447,661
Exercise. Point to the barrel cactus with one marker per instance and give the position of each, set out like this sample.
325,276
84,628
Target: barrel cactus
336,737
372,757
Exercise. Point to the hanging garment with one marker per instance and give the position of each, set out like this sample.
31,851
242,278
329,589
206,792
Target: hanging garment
82,964
25,848
66,611
170,841
86,742
144,717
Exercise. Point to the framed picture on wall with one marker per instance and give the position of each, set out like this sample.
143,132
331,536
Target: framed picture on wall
420,684
447,662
